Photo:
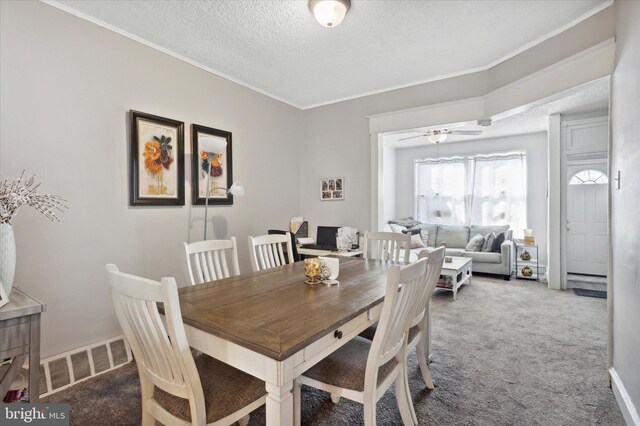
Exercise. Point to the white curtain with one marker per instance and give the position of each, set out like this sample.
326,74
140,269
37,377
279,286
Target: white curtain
479,190
441,191
498,191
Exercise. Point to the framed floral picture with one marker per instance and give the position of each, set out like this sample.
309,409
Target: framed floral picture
157,161
332,189
214,167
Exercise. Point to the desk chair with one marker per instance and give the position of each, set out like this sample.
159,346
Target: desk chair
362,370
387,246
209,259
176,389
266,251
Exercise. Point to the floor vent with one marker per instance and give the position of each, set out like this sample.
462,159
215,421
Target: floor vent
61,371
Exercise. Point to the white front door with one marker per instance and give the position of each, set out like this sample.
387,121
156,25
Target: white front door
587,243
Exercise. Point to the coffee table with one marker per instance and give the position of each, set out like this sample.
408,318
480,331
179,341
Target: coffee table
455,273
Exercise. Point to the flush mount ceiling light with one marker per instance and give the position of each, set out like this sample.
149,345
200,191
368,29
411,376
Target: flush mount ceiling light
329,13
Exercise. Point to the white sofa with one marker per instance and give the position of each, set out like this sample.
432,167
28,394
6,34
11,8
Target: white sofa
457,237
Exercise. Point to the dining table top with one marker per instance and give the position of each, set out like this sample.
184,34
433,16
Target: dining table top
275,313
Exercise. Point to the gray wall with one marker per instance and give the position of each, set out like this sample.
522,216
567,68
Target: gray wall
625,156
339,144
66,87
535,144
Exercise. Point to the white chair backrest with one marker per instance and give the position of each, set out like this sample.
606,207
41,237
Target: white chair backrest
435,259
208,260
266,251
404,285
162,354
387,246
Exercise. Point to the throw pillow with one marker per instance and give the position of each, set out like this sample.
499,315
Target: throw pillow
424,235
409,222
397,228
498,242
488,242
416,241
411,231
475,243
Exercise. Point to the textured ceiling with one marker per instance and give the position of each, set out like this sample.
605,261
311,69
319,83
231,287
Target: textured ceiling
277,48
592,99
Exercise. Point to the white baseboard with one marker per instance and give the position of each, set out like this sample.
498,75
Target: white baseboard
629,411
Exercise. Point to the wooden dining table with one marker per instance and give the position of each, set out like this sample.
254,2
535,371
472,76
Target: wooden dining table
272,325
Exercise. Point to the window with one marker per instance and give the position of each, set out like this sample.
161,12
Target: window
479,190
441,191
589,177
498,196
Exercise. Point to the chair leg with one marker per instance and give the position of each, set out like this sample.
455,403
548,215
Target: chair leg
297,401
244,421
369,407
146,389
403,397
423,362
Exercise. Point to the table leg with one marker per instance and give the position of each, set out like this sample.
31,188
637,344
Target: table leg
279,404
455,290
34,359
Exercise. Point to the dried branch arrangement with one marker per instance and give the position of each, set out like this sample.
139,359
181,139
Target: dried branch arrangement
14,193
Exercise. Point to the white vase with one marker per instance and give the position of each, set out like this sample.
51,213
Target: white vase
7,257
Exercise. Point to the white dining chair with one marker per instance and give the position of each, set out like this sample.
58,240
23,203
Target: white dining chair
266,251
387,246
211,260
176,389
362,370
420,330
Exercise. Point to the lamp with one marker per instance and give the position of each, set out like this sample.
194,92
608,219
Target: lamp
214,145
329,13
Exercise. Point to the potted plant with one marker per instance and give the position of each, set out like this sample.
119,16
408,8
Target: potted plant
13,195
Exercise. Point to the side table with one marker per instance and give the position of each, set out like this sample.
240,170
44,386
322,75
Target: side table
19,339
528,260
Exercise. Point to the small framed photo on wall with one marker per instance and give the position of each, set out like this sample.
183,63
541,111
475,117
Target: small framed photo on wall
217,164
156,163
332,189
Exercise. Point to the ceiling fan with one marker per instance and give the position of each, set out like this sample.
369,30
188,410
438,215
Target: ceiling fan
439,135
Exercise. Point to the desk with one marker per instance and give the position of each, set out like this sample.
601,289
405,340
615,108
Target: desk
273,326
315,252
19,338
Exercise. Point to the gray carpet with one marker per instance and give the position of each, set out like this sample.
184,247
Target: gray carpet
504,353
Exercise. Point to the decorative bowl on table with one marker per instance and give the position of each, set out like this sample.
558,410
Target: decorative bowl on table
525,255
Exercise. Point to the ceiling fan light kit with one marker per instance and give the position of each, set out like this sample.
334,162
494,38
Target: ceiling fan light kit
436,137
329,13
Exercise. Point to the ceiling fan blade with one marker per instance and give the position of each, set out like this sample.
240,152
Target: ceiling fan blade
412,137
465,132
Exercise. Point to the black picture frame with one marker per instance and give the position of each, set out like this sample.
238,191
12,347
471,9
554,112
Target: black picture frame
199,175
149,165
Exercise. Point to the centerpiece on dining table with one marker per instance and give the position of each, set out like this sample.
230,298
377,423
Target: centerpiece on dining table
321,270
